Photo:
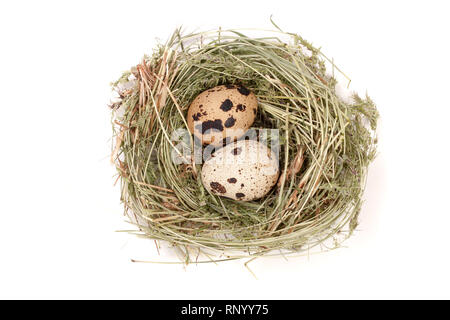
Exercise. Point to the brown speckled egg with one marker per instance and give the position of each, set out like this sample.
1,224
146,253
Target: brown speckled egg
244,170
223,112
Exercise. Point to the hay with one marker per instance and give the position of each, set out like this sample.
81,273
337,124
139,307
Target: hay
326,146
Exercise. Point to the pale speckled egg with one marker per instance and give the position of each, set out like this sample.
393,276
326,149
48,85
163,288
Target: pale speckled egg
222,114
243,170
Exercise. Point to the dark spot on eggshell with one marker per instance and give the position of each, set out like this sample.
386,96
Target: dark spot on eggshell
236,151
217,187
226,105
210,124
197,116
230,122
232,180
227,140
240,107
242,185
203,112
240,195
243,90
230,86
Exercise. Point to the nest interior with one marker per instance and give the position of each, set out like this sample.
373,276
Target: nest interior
326,145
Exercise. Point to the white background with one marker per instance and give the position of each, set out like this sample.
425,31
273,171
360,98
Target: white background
59,209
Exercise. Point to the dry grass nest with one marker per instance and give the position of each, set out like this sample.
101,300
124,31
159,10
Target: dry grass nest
326,146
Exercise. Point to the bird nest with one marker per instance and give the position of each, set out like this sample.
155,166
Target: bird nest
326,144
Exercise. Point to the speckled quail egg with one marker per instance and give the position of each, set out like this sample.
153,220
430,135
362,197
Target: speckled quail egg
243,170
222,114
